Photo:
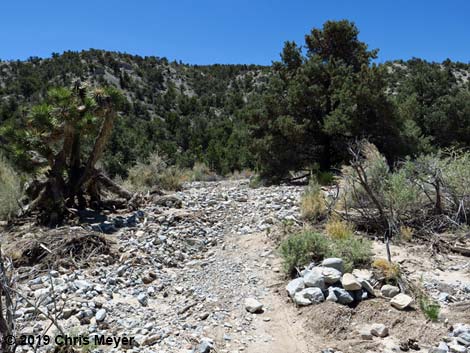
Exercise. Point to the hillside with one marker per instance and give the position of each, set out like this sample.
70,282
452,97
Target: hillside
198,113
183,111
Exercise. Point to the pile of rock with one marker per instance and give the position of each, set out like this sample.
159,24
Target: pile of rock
328,281
458,341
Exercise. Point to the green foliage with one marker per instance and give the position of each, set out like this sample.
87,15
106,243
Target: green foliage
66,122
436,99
197,121
10,189
338,229
300,249
430,308
315,104
324,178
356,252
371,184
301,111
409,197
256,182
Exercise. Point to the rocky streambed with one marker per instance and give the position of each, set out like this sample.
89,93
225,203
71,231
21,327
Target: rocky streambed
197,272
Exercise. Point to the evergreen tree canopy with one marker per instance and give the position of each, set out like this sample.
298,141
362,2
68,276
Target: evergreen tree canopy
317,103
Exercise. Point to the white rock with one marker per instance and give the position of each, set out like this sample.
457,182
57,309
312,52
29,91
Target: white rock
389,291
401,301
460,328
379,330
350,282
294,286
334,262
100,315
252,305
329,274
457,348
309,296
314,279
143,299
365,334
331,296
300,300
363,274
366,286
82,284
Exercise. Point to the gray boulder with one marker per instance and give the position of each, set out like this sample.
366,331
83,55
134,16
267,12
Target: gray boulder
334,262
363,274
379,330
441,348
252,305
309,296
457,348
330,275
343,296
143,299
314,279
100,315
294,286
366,286
389,291
331,297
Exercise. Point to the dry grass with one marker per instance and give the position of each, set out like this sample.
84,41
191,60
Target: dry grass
201,172
312,202
155,174
406,233
338,229
390,271
239,175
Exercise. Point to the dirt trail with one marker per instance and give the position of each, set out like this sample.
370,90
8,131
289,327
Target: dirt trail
279,325
245,264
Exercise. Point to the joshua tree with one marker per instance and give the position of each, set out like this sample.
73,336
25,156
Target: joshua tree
67,134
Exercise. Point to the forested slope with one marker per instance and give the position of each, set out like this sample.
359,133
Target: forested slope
299,113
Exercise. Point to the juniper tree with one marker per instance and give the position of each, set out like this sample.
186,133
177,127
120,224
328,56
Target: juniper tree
319,101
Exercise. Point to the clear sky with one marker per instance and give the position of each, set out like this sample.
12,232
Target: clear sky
225,31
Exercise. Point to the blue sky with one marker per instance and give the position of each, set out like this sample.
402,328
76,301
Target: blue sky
224,31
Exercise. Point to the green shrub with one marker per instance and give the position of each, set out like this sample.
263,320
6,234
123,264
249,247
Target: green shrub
356,252
256,182
171,178
299,249
430,308
10,190
456,179
325,178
